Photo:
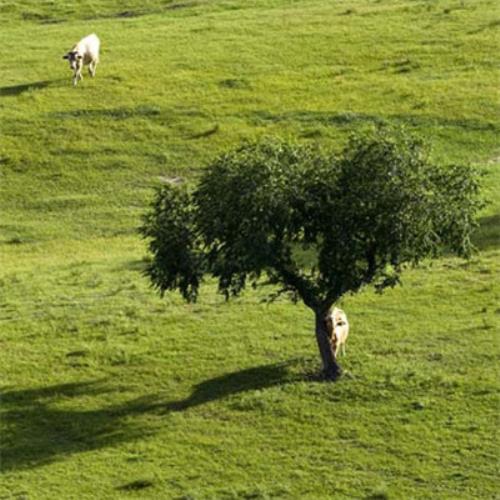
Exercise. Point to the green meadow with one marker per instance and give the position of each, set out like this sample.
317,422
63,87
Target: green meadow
109,391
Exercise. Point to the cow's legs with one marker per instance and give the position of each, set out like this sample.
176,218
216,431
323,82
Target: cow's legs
92,67
77,77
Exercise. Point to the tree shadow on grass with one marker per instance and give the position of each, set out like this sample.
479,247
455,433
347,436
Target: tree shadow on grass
251,379
42,425
15,90
37,431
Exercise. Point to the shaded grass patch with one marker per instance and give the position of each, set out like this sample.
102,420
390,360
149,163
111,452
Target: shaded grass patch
349,119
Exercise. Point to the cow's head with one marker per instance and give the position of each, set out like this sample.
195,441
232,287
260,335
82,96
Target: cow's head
75,59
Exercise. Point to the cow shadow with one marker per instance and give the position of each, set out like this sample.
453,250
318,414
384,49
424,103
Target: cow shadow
47,424
15,90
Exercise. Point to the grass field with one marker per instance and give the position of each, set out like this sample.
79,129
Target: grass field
109,391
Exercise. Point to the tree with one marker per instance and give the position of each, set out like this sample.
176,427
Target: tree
315,224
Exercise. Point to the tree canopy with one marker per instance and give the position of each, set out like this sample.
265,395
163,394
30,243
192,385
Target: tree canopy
315,223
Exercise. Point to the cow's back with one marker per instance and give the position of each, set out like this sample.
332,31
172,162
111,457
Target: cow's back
89,47
340,325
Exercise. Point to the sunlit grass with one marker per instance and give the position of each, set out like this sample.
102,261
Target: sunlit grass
110,391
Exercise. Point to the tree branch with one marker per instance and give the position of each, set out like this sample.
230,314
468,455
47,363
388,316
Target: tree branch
295,281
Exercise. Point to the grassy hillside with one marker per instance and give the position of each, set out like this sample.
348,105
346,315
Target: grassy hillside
109,391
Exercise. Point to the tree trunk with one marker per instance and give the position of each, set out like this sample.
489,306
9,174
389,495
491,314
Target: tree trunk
331,368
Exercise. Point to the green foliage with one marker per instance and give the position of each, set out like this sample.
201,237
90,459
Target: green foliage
249,216
362,216
170,227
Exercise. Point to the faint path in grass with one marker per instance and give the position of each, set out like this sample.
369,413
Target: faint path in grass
351,118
